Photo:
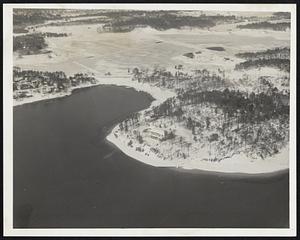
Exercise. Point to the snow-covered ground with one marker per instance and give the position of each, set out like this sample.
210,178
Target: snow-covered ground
197,157
88,51
236,164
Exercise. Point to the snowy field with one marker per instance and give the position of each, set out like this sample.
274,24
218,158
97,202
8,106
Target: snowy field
146,48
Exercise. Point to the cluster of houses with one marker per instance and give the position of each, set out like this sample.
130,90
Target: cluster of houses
27,82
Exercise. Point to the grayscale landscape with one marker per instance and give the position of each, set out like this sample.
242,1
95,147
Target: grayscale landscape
130,118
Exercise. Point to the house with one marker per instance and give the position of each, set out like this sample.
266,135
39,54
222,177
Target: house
155,133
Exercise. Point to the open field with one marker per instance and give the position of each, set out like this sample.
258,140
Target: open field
140,48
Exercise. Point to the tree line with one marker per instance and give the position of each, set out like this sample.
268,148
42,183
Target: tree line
279,26
51,34
282,15
248,108
163,20
283,53
23,18
281,64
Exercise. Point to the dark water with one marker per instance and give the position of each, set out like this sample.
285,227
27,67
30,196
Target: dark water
66,176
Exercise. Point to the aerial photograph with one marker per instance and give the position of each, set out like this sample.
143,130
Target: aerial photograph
129,118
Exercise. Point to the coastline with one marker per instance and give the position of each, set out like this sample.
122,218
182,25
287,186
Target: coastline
233,167
42,97
160,95
187,165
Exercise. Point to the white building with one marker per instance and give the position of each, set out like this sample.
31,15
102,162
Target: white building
155,133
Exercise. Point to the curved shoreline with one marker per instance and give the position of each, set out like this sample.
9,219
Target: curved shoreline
153,160
159,95
126,150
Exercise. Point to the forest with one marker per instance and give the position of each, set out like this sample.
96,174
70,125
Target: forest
161,20
180,81
29,43
166,21
278,26
281,64
51,34
230,121
281,15
249,108
23,18
277,58
283,53
226,120
117,21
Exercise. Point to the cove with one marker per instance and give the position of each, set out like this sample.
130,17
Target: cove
67,176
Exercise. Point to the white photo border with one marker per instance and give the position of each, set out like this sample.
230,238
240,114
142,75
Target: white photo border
8,129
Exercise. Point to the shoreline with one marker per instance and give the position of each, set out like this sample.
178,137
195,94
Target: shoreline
40,97
159,95
198,165
234,174
154,161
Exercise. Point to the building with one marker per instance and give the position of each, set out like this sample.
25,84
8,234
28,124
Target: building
155,133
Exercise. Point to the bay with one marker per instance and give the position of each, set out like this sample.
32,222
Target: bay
67,176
